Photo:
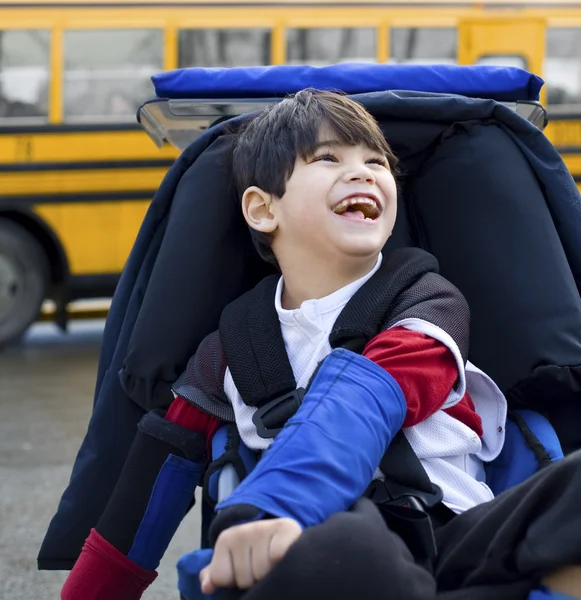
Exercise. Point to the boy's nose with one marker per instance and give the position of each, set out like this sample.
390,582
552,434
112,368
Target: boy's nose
362,174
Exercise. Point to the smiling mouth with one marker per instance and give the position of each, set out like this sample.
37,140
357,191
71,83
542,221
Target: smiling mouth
368,207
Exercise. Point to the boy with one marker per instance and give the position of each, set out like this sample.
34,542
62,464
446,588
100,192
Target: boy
317,187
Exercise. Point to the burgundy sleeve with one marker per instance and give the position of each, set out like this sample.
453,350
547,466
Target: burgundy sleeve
425,370
102,571
185,414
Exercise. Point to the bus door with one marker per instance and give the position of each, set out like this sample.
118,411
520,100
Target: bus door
503,40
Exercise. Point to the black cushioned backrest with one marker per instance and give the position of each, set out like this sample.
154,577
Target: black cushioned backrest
479,208
491,230
206,260
468,195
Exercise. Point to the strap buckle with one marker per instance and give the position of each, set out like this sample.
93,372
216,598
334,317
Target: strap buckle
395,494
401,495
407,513
272,416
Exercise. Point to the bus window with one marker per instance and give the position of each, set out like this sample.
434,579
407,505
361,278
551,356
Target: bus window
563,65
432,45
223,47
326,45
503,60
24,75
107,73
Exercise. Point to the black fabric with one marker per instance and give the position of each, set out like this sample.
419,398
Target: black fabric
554,391
409,502
202,383
435,300
370,307
191,445
114,420
352,555
112,426
407,285
500,246
525,533
208,240
415,528
499,549
403,470
125,510
253,345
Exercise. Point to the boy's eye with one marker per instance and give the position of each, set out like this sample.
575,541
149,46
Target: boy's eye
379,160
325,157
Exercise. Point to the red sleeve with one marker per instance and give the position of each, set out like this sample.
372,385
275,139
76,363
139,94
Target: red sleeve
102,571
425,370
187,415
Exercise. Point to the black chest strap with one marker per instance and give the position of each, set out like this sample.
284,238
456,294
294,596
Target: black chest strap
253,346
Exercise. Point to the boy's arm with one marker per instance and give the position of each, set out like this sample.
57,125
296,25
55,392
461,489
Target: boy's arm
429,372
424,346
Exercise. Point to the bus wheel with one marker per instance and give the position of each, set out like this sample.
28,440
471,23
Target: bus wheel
23,280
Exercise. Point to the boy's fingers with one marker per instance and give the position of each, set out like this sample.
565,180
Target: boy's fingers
241,551
282,539
261,564
221,569
206,584
246,553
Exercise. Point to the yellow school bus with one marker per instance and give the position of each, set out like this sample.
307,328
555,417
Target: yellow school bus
76,171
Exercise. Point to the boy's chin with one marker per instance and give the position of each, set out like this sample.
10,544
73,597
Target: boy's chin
360,248
351,255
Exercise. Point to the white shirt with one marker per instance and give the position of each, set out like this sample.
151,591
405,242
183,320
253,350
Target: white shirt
451,453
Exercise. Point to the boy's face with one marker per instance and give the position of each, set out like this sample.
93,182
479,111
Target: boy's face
339,203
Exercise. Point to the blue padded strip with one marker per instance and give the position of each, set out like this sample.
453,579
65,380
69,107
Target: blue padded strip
171,496
517,461
189,567
545,433
544,593
476,81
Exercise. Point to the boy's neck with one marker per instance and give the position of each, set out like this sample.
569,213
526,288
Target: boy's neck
306,282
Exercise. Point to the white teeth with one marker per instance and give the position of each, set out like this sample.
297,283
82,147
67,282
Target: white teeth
342,206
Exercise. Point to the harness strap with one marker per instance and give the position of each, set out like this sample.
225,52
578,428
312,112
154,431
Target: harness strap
397,465
409,502
253,345
372,306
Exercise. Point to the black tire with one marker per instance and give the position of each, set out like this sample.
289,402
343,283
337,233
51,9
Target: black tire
23,280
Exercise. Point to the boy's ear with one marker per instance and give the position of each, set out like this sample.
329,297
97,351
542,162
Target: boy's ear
256,207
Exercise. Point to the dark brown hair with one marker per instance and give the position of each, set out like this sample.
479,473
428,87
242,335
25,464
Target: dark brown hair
268,146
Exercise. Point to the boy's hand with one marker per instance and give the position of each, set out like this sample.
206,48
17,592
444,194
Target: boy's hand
244,554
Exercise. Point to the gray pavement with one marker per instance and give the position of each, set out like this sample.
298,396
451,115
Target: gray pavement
46,392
